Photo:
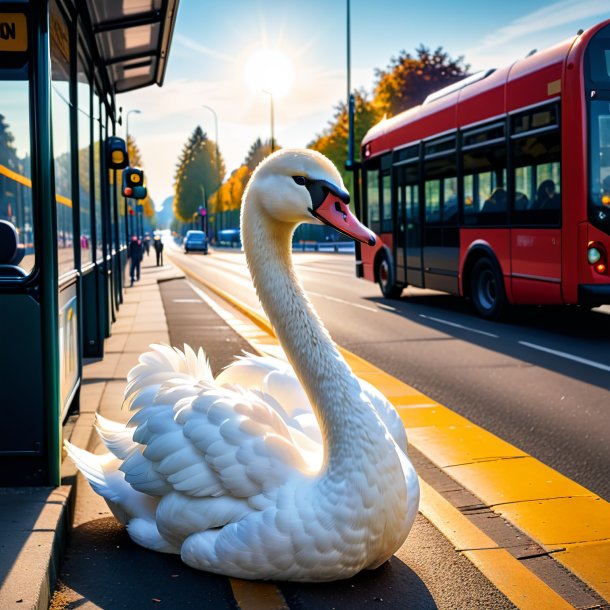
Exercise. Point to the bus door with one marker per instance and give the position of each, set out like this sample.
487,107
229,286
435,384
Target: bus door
408,256
440,231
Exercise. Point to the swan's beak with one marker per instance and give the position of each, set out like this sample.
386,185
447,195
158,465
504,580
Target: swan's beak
331,206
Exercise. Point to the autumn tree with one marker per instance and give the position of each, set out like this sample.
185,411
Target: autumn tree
258,151
198,174
409,79
332,142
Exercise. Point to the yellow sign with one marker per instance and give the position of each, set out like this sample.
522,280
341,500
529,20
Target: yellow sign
117,156
13,32
134,178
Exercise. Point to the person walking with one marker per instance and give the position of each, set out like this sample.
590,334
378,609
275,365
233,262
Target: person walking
158,245
135,252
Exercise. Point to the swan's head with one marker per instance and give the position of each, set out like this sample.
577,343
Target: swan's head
299,185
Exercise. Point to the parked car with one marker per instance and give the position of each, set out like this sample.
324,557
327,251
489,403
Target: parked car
196,241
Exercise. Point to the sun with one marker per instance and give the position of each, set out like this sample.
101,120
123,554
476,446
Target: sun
269,70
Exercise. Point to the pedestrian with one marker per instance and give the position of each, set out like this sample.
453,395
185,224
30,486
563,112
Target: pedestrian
158,245
147,244
135,252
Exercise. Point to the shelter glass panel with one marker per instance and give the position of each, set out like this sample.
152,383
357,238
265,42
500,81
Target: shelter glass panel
84,160
60,112
97,176
15,172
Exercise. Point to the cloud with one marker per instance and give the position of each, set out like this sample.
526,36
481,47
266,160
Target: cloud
539,21
193,45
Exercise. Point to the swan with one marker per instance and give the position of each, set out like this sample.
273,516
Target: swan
286,470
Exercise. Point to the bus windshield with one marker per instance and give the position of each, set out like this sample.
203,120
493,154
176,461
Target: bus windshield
599,206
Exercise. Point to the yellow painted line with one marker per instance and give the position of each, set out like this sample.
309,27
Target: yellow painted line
556,512
256,595
9,173
511,577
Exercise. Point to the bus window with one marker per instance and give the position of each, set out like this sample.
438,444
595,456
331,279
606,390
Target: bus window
599,201
60,101
386,207
15,174
485,199
537,174
432,192
372,200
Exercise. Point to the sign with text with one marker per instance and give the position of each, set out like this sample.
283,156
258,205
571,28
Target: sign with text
13,33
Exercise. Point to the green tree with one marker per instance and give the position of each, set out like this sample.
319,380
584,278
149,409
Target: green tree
197,175
409,79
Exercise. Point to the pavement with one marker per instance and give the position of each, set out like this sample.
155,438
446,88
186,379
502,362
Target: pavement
61,548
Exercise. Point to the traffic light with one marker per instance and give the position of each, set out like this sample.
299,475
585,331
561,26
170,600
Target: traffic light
133,183
116,153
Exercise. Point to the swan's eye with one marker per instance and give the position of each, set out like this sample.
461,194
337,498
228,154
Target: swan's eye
300,180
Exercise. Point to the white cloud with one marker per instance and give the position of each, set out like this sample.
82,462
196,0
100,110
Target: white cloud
532,30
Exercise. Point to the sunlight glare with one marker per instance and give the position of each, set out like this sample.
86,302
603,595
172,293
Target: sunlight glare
269,70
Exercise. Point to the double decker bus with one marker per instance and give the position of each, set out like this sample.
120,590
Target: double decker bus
497,188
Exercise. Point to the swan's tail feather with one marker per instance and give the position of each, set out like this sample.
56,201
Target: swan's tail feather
90,465
117,437
106,480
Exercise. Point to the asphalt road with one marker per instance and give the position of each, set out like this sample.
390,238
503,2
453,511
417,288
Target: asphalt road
539,379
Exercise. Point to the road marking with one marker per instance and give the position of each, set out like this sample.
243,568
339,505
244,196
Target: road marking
548,350
512,578
460,326
342,301
386,307
252,595
187,300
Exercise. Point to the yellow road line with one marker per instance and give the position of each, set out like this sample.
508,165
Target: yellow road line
256,595
557,513
512,578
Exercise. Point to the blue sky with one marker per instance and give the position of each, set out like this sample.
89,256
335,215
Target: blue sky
212,42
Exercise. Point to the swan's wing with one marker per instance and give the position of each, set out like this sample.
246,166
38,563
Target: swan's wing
220,442
191,435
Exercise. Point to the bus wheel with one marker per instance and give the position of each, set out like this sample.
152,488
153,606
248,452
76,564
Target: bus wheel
487,292
385,275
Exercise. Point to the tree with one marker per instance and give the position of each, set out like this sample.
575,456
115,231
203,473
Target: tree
409,79
197,175
332,142
258,151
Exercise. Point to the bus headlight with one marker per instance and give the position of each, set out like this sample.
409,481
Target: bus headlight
593,255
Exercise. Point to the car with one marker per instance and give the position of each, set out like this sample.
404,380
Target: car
196,241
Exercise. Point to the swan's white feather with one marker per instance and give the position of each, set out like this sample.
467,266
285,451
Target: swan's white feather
232,472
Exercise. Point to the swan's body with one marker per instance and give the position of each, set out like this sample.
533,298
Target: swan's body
271,471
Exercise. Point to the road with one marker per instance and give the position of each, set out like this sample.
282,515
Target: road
539,379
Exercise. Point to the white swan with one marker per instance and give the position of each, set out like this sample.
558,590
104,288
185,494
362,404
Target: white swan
237,474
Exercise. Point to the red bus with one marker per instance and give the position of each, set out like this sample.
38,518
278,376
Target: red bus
497,188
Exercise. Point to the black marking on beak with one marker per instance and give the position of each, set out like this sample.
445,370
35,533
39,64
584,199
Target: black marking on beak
319,190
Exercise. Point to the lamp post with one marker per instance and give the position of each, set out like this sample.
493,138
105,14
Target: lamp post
272,120
217,160
134,111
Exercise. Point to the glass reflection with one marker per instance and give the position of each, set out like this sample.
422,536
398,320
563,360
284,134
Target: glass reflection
15,172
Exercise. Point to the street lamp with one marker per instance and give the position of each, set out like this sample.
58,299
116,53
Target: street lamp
217,161
134,111
272,120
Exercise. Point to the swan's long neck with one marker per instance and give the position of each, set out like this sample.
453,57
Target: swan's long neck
346,419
